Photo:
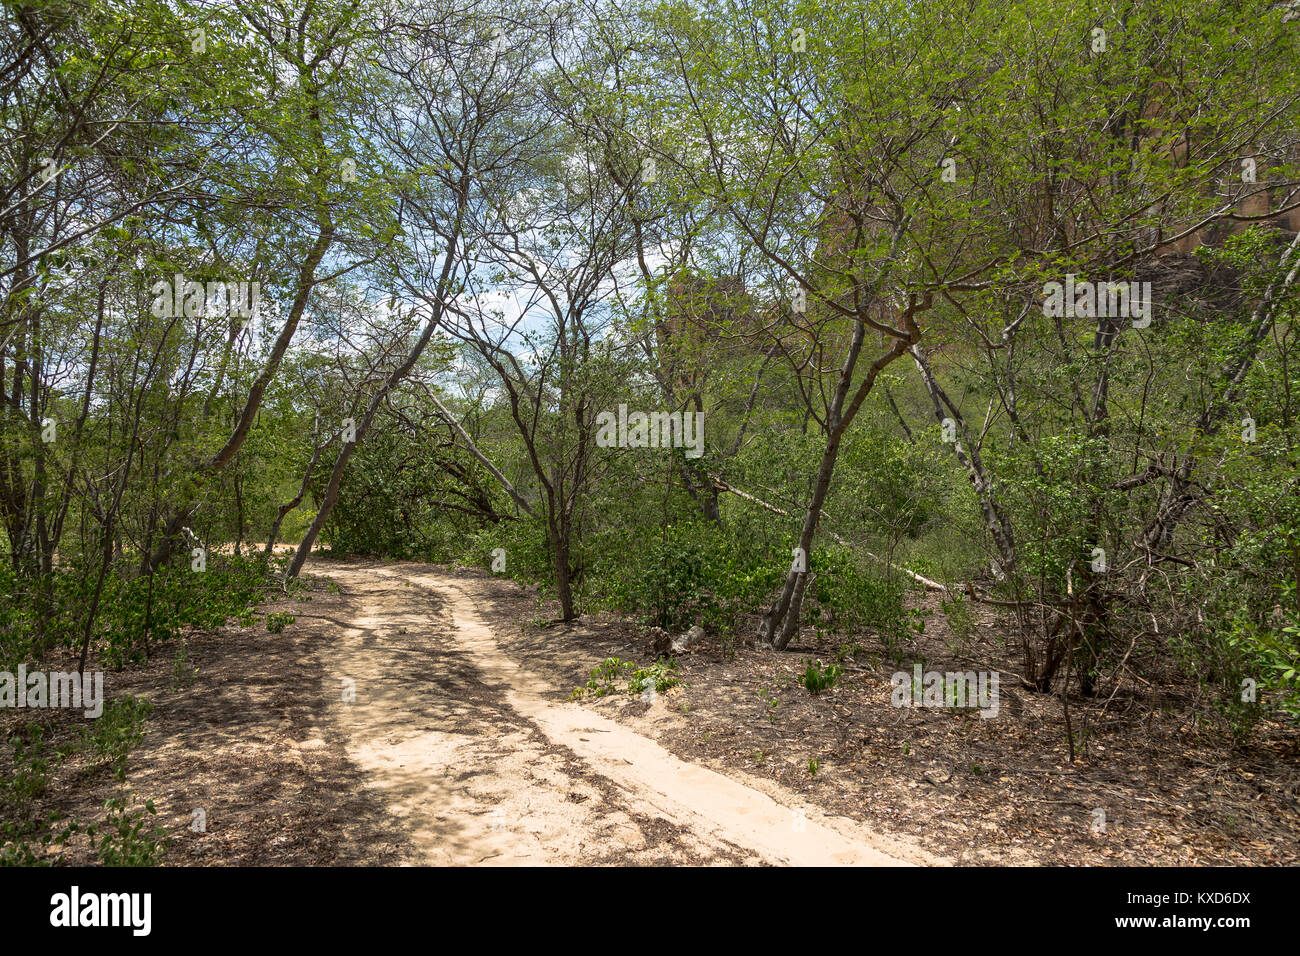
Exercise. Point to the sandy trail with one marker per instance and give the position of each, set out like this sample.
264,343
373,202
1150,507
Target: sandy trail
483,764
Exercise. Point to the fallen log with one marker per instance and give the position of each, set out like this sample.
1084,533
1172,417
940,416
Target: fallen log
721,485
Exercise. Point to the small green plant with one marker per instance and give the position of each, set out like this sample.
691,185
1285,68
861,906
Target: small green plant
660,674
123,839
30,774
961,622
812,766
275,623
16,847
183,672
603,676
117,730
772,701
606,674
849,651
817,678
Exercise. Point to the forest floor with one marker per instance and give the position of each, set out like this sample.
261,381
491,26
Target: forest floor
413,714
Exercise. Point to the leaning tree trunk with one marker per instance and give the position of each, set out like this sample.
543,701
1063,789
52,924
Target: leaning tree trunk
782,622
345,453
968,453
295,501
789,606
253,402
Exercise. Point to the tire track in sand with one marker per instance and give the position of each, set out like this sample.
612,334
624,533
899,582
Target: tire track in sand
480,766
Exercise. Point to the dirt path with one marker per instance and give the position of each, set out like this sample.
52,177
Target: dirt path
482,761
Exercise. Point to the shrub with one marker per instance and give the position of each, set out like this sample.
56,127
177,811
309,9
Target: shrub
276,622
687,573
844,600
605,675
123,839
817,678
118,729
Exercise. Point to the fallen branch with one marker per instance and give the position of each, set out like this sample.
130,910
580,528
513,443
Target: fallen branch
721,485
472,448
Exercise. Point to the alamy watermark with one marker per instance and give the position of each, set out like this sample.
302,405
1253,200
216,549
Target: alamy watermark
1119,300
75,909
652,430
59,689
976,689
180,296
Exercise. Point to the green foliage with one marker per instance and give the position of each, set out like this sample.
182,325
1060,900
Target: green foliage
277,621
960,618
124,840
782,167
659,675
183,672
116,731
134,613
606,675
817,678
688,573
1249,586
30,775
394,501
894,487
603,678
846,599
527,556
28,839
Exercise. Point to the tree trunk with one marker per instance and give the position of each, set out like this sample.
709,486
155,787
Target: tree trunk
782,622
995,518
218,462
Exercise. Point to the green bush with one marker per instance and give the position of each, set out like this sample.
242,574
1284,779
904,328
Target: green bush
687,573
135,613
845,599
123,839
817,678
605,676
658,675
116,731
276,622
